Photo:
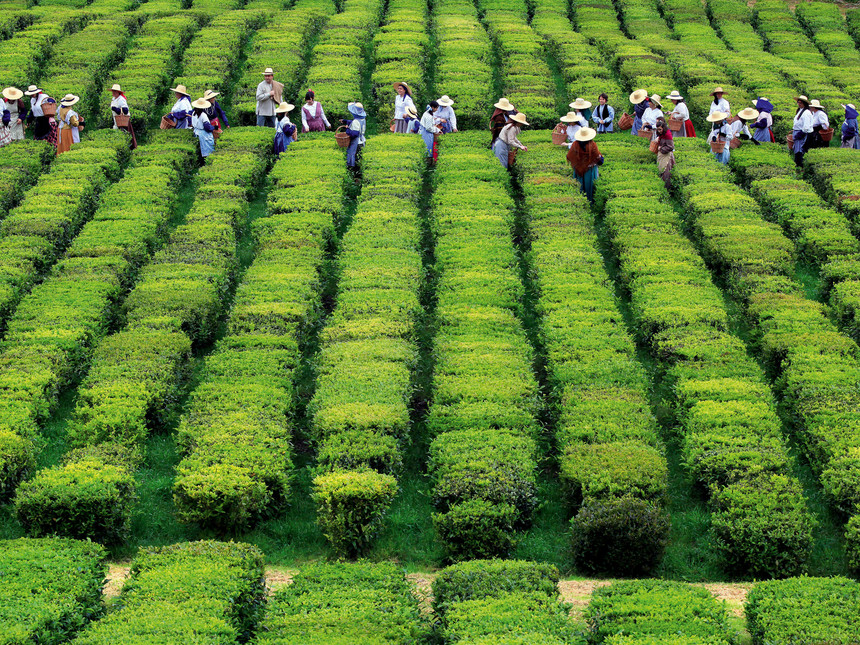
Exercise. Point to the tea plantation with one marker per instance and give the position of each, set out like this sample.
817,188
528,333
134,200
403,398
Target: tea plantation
444,368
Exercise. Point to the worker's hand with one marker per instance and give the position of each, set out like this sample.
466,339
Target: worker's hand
18,121
272,93
526,149
455,130
304,130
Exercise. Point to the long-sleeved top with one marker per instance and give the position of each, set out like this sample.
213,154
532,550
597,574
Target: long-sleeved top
356,128
312,110
181,112
724,130
201,122
803,121
428,122
639,108
286,126
820,120
720,106
215,111
266,104
118,106
509,135
680,112
738,128
447,113
36,104
762,127
603,122
401,103
68,118
649,117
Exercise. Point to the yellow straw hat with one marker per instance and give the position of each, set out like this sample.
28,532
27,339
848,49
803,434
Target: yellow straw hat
519,117
504,104
638,96
179,88
748,114
572,117
284,107
585,134
201,104
69,100
210,94
716,117
12,94
580,104
115,88
718,90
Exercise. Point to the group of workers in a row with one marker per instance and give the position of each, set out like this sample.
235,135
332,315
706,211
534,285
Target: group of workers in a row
60,127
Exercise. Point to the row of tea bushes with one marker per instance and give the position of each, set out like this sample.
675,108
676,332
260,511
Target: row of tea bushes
464,64
344,603
610,457
236,432
51,589
400,50
833,173
582,67
20,167
339,55
148,69
15,20
139,373
824,24
360,411
211,592
281,45
54,330
502,601
24,54
731,436
818,367
646,612
526,76
482,417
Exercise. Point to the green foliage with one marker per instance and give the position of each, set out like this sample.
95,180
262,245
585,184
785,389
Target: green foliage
477,528
343,603
400,48
23,55
351,507
804,610
51,589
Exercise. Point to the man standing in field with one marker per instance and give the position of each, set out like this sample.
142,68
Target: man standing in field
268,98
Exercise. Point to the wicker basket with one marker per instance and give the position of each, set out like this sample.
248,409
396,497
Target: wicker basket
121,120
216,134
49,109
559,134
675,125
512,156
718,146
789,140
645,134
734,143
827,135
167,124
625,122
342,138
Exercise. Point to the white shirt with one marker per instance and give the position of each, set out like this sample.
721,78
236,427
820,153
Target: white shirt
312,108
182,105
681,112
265,103
650,115
197,123
428,122
739,127
447,113
400,105
820,118
36,104
725,130
359,125
572,129
720,106
283,123
118,102
803,122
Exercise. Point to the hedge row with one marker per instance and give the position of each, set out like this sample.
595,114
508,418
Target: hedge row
211,592
344,603
482,459
502,601
51,589
20,167
833,173
584,70
644,612
610,457
464,63
526,76
360,411
400,50
139,373
236,432
804,610
52,334
24,54
86,59
281,44
15,20
731,436
339,55
825,25
149,68
216,8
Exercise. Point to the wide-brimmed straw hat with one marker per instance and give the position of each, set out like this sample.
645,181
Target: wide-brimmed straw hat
763,105
445,101
848,105
580,104
410,111
12,93
674,96
815,103
115,88
33,90
572,117
503,104
802,98
585,134
850,111
519,117
655,98
716,117
210,94
356,108
748,114
718,90
268,70
284,107
201,104
638,96
179,88
69,100
405,86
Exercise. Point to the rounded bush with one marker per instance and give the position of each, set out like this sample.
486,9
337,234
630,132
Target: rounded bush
17,458
219,496
625,537
477,528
